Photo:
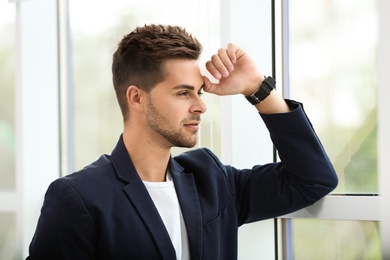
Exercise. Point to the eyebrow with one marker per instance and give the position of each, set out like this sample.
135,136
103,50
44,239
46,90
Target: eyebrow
189,87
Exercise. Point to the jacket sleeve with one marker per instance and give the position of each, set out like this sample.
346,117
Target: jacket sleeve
65,229
304,175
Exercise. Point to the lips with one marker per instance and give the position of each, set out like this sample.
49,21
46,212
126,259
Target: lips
193,125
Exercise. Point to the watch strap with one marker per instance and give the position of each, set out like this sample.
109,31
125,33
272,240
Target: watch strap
265,89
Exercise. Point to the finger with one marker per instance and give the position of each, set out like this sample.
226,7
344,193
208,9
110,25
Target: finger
226,59
213,70
231,51
235,52
218,62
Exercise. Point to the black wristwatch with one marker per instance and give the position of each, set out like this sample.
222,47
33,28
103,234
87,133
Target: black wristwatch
266,87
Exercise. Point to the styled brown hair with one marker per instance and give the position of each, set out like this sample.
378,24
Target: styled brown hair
141,55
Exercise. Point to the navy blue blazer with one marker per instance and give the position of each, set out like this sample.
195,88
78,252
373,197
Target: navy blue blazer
105,212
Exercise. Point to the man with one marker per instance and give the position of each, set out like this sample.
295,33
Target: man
139,202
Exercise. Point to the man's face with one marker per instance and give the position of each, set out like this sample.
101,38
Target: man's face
174,105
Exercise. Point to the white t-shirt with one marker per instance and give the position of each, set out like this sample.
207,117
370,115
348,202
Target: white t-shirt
164,197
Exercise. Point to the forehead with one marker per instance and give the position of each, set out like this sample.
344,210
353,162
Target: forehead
183,71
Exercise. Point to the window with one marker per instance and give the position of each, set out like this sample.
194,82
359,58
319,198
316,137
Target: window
335,239
333,70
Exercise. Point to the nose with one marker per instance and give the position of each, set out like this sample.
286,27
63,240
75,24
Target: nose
199,106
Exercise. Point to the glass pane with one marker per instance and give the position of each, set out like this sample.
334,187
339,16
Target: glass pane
7,96
8,236
333,72
336,240
7,126
97,117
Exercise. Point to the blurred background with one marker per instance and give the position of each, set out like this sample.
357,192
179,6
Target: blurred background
324,53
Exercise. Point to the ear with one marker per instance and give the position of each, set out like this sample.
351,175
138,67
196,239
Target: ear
134,96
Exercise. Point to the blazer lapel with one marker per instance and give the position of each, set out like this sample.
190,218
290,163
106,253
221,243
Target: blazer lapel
190,207
140,198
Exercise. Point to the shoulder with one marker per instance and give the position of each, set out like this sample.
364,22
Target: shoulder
94,170
91,178
196,156
200,160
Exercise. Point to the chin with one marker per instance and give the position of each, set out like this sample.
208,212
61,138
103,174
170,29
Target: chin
186,145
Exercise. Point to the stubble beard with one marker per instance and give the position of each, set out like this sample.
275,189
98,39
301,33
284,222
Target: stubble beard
159,123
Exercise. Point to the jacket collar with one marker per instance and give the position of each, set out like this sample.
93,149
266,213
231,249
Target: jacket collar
139,196
190,206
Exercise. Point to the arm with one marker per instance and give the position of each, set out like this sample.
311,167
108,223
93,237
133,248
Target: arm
305,174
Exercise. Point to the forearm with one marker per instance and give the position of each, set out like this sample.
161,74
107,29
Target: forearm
304,175
299,148
273,104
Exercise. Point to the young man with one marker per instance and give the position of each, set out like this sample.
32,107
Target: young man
139,202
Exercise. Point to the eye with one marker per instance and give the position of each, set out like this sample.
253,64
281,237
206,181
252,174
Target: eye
200,93
183,93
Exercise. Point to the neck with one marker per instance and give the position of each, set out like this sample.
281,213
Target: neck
149,159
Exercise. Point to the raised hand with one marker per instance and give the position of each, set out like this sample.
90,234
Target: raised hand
236,71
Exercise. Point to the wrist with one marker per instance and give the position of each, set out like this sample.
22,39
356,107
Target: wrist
266,86
255,86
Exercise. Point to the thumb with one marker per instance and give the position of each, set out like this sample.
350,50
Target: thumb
210,87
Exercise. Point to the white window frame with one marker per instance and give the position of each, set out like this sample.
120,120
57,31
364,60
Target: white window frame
256,240
37,112
383,57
